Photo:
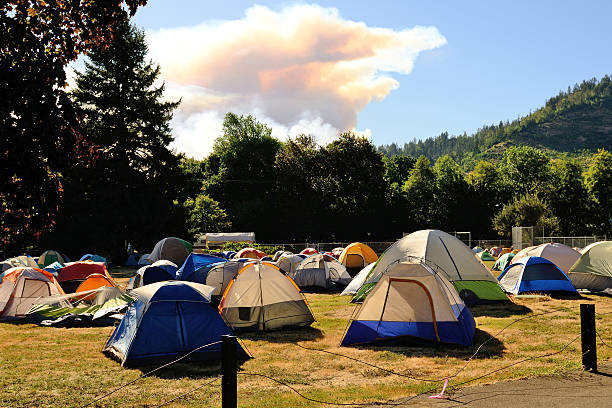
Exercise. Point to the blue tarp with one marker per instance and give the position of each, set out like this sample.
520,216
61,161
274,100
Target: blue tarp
196,267
132,260
172,319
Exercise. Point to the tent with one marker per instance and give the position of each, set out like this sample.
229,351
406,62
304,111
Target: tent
309,251
251,253
196,267
337,251
503,262
593,270
144,260
495,251
561,255
97,307
357,255
262,298
95,281
411,299
166,321
133,259
74,273
321,271
95,258
280,253
221,274
5,265
445,254
21,287
159,271
504,251
534,274
48,257
288,263
172,249
22,261
357,281
477,250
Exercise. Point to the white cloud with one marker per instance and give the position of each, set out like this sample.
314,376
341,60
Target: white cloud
303,69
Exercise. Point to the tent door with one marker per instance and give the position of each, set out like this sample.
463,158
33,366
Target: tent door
355,261
413,292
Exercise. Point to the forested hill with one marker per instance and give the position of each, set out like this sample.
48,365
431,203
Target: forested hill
578,119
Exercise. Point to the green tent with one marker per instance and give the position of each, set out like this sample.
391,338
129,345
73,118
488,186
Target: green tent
593,270
503,261
485,256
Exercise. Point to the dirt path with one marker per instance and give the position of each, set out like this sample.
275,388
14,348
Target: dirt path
576,389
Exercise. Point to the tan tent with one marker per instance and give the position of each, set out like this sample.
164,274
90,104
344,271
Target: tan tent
262,298
21,287
561,255
593,270
445,254
22,261
220,276
288,263
411,299
322,271
357,255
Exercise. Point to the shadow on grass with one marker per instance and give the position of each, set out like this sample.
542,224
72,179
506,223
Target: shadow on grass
192,370
285,335
502,309
412,347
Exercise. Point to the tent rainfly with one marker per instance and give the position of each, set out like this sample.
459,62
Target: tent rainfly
593,270
446,255
171,249
21,287
561,255
357,281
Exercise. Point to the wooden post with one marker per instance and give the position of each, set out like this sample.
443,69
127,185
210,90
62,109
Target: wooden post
229,381
587,331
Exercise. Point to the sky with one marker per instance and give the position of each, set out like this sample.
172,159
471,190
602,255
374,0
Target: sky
393,71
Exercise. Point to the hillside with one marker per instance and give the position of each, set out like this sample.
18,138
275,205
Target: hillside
575,120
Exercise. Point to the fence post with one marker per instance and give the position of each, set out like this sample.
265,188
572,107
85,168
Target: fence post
587,332
229,381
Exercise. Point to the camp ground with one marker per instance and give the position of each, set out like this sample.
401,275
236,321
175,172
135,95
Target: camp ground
413,316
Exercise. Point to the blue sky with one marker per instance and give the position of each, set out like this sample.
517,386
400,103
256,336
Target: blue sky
500,60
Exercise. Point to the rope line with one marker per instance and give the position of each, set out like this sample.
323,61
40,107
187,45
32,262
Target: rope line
148,373
603,342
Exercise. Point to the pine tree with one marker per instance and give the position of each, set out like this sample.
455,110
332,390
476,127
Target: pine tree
125,194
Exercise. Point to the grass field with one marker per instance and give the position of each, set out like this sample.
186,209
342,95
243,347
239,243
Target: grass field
41,366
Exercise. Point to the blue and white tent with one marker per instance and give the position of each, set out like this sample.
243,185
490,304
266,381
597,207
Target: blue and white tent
166,321
159,271
197,266
534,274
411,300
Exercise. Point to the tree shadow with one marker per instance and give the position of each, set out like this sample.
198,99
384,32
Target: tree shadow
124,272
292,335
191,370
501,309
413,347
566,296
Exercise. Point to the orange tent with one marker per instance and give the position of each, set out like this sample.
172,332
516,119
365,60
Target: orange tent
251,253
95,281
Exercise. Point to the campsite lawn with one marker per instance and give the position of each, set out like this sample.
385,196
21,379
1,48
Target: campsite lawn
41,366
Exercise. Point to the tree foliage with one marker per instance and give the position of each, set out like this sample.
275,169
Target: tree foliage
526,210
205,215
598,180
37,119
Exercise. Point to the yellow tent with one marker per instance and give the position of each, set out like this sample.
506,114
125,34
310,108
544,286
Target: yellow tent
357,255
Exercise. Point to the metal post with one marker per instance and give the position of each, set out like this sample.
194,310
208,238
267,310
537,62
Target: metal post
587,331
229,381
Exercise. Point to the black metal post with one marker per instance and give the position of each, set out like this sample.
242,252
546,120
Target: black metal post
229,380
587,331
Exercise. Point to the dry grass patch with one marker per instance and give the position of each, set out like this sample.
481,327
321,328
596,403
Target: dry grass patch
64,367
